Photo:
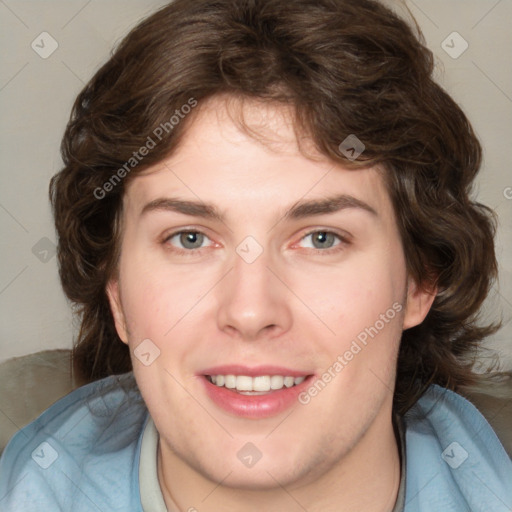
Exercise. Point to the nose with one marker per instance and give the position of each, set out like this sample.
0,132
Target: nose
254,303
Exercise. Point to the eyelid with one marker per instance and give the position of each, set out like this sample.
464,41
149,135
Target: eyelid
184,229
167,236
344,237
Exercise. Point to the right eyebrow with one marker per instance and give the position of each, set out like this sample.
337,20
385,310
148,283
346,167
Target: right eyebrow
193,208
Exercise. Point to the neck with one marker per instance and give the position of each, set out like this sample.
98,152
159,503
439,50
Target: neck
367,478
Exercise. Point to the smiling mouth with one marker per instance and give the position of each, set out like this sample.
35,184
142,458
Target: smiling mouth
259,385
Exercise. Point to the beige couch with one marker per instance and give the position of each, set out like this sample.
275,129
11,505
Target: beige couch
32,383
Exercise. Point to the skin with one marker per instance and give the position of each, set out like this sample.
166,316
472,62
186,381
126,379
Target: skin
298,305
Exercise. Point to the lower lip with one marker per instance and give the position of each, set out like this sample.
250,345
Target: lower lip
254,406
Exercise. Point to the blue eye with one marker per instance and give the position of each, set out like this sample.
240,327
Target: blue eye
322,240
187,240
190,241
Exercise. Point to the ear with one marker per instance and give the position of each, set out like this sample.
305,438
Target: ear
418,304
114,299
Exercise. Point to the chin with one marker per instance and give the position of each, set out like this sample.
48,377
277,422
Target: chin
272,470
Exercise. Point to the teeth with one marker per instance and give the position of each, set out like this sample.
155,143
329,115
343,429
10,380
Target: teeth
288,382
230,381
276,382
243,383
261,383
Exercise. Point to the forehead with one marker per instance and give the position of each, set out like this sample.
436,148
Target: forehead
246,154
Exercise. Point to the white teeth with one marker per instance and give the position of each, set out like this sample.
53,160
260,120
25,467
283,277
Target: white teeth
244,383
276,382
230,381
261,383
288,382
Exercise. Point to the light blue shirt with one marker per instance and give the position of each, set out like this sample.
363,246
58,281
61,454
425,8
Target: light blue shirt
83,454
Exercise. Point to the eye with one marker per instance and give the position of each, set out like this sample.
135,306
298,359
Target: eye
188,240
322,240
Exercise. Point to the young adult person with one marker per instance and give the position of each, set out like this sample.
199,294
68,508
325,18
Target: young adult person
265,218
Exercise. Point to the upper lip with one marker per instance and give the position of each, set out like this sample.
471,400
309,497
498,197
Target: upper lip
254,371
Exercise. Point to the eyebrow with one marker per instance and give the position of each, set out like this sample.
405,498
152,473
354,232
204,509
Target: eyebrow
192,208
299,210
328,205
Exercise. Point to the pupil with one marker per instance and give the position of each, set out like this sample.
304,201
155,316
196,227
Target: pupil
322,239
191,240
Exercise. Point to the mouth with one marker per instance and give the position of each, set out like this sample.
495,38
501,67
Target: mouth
253,386
254,392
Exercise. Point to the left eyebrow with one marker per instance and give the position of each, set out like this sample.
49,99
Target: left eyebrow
334,204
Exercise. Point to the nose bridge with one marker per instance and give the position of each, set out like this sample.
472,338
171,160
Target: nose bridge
253,301
251,277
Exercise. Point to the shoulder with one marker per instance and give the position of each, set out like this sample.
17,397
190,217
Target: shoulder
82,451
454,459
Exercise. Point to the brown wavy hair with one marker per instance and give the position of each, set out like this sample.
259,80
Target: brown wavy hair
346,67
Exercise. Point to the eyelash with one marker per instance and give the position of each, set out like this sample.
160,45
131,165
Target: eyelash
343,241
184,252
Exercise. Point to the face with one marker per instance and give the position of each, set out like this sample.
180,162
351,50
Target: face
262,294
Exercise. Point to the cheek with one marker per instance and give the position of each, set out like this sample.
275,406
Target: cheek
362,304
145,295
143,308
354,294
156,296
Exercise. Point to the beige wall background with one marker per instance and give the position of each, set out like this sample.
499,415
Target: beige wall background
52,48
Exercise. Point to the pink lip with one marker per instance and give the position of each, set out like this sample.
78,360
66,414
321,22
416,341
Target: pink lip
254,406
